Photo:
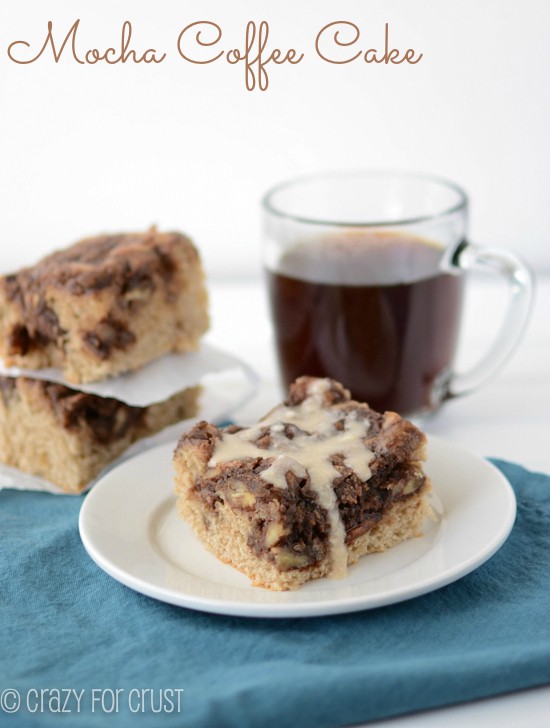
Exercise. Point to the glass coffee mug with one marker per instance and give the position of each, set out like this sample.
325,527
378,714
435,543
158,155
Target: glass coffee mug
366,279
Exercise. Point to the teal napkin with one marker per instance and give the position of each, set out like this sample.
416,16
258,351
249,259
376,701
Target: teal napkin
67,625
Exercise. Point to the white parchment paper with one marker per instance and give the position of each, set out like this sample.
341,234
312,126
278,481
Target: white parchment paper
154,382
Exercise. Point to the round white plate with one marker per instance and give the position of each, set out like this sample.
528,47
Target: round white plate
130,527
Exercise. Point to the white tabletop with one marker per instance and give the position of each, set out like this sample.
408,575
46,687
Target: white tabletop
509,419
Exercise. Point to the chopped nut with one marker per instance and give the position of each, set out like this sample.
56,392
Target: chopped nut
412,485
274,532
286,559
214,472
239,495
138,294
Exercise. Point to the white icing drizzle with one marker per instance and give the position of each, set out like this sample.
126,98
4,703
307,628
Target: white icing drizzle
276,473
309,450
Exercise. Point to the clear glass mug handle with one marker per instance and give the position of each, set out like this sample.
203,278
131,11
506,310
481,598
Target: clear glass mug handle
520,282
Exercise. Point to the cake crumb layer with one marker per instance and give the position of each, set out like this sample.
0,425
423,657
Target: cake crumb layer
67,436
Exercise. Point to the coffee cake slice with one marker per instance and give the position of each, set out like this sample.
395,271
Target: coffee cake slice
313,486
67,436
104,306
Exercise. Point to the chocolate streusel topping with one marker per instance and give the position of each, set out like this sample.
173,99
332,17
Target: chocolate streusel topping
107,419
131,265
126,262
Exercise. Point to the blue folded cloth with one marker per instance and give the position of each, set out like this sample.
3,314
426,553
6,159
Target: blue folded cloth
67,625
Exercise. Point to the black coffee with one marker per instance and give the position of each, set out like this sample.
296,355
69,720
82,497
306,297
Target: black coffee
372,310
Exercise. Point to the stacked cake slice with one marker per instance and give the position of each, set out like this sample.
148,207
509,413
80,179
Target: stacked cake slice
316,484
105,306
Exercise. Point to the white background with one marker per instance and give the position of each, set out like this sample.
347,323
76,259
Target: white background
85,149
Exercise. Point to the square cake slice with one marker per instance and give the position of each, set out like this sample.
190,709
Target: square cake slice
313,486
104,306
67,436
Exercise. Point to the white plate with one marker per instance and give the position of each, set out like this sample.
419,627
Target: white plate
130,528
